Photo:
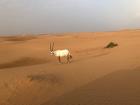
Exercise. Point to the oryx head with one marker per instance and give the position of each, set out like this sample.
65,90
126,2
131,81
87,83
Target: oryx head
52,48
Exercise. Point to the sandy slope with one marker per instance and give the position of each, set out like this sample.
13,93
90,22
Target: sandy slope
118,88
30,76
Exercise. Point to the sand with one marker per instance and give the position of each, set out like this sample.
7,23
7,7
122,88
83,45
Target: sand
29,75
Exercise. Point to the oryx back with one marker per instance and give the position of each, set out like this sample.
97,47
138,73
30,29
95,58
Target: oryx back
61,53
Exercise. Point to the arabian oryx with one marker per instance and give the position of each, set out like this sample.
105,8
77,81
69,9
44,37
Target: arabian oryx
60,53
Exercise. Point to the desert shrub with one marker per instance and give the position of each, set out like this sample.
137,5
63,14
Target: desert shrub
111,45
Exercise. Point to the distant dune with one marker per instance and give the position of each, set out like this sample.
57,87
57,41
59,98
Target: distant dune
29,75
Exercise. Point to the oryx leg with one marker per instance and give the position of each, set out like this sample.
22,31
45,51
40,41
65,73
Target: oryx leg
59,59
68,59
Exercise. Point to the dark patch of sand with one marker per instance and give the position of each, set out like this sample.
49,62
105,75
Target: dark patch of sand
18,38
25,61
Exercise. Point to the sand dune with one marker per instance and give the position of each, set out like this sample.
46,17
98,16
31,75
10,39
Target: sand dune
118,88
29,75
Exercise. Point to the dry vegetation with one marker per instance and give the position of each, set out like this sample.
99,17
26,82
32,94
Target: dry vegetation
49,78
111,45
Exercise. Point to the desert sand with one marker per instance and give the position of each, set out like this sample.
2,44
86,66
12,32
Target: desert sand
29,75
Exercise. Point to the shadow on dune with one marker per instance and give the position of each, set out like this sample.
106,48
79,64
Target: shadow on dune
118,88
18,38
25,61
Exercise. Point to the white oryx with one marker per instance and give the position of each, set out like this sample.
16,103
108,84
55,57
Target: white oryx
60,53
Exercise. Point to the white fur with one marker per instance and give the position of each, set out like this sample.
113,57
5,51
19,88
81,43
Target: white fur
61,53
